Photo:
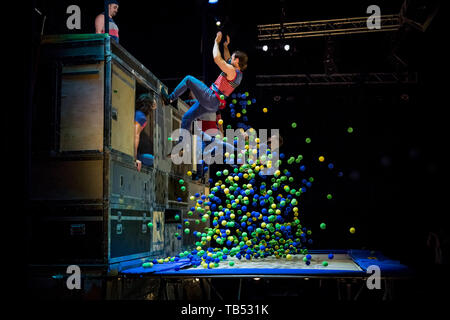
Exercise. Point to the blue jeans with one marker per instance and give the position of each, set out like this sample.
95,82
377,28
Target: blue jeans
206,100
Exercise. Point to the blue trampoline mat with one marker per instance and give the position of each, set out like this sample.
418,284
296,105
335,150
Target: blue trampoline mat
362,258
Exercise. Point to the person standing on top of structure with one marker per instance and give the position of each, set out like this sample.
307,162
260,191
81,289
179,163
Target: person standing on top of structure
113,8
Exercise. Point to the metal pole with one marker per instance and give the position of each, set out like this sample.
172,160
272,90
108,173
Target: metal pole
106,17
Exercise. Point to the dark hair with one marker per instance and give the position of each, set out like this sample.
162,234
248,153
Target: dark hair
144,102
243,59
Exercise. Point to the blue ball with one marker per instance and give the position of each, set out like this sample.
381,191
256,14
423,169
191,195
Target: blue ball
308,263
302,168
330,166
330,256
308,256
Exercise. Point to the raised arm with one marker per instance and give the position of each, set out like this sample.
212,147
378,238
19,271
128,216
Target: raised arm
226,52
225,67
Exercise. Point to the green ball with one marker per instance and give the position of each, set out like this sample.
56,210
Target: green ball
294,125
147,265
329,196
177,217
169,138
222,97
323,226
183,188
350,130
308,140
325,263
231,263
187,231
150,225
181,181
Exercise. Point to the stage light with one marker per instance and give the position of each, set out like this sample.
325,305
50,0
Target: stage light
287,47
213,1
265,47
218,23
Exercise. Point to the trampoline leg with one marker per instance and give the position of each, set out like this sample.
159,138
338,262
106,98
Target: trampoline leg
214,289
338,283
240,289
160,292
360,290
387,291
349,291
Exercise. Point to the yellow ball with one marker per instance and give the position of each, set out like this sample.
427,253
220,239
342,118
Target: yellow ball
352,230
189,173
232,216
321,159
265,110
220,121
238,115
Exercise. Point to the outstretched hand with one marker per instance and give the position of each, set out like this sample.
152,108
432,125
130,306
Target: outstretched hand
219,37
226,43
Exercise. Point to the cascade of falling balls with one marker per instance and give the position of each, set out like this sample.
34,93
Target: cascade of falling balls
253,216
